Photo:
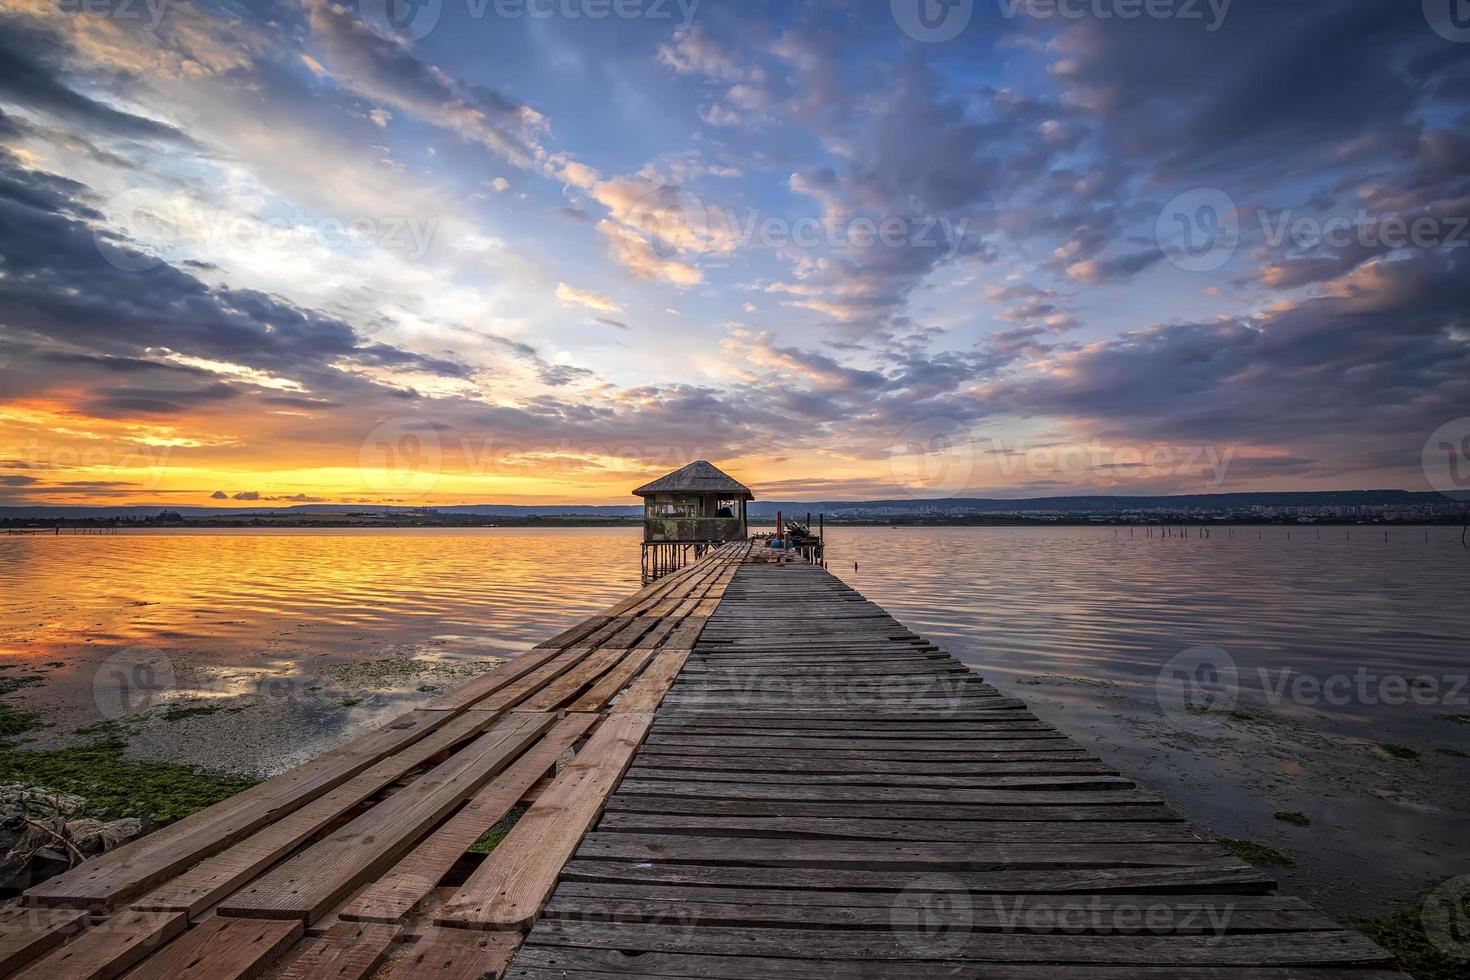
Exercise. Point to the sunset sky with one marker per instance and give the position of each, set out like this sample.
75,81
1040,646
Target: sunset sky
275,252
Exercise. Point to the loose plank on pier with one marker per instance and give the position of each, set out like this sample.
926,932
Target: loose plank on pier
110,948
27,933
510,887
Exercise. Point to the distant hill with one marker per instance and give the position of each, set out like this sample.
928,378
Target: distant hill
833,508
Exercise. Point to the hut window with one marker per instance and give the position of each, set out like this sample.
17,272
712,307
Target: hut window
673,510
727,508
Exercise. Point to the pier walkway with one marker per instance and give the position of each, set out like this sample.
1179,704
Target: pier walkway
745,770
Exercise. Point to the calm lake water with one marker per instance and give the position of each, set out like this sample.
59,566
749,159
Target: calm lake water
254,649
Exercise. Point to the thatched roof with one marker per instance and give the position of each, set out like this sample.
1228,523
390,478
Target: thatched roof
699,476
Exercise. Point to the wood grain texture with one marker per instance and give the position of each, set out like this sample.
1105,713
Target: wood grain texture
110,948
221,949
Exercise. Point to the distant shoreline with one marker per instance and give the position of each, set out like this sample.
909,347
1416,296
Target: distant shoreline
983,520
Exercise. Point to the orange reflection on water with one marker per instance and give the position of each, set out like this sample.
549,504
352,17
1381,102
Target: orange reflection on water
234,594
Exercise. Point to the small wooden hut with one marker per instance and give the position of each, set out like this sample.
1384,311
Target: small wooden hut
688,510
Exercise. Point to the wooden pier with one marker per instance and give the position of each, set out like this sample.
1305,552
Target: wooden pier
742,771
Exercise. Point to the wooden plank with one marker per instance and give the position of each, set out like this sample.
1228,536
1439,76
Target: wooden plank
612,682
953,831
517,691
914,777
310,884
346,951
916,855
493,680
457,954
26,933
1231,876
895,794
511,885
414,878
221,949
993,901
568,685
108,949
591,963
1269,949
214,878
647,692
108,879
1012,914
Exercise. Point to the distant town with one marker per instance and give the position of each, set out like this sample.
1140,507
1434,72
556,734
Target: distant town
1330,507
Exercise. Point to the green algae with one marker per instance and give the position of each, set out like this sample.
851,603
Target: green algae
1257,854
115,787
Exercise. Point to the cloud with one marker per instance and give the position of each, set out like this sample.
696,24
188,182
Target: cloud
572,296
390,74
32,63
245,495
638,256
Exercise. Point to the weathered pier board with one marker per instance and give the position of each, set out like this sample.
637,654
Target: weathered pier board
744,770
